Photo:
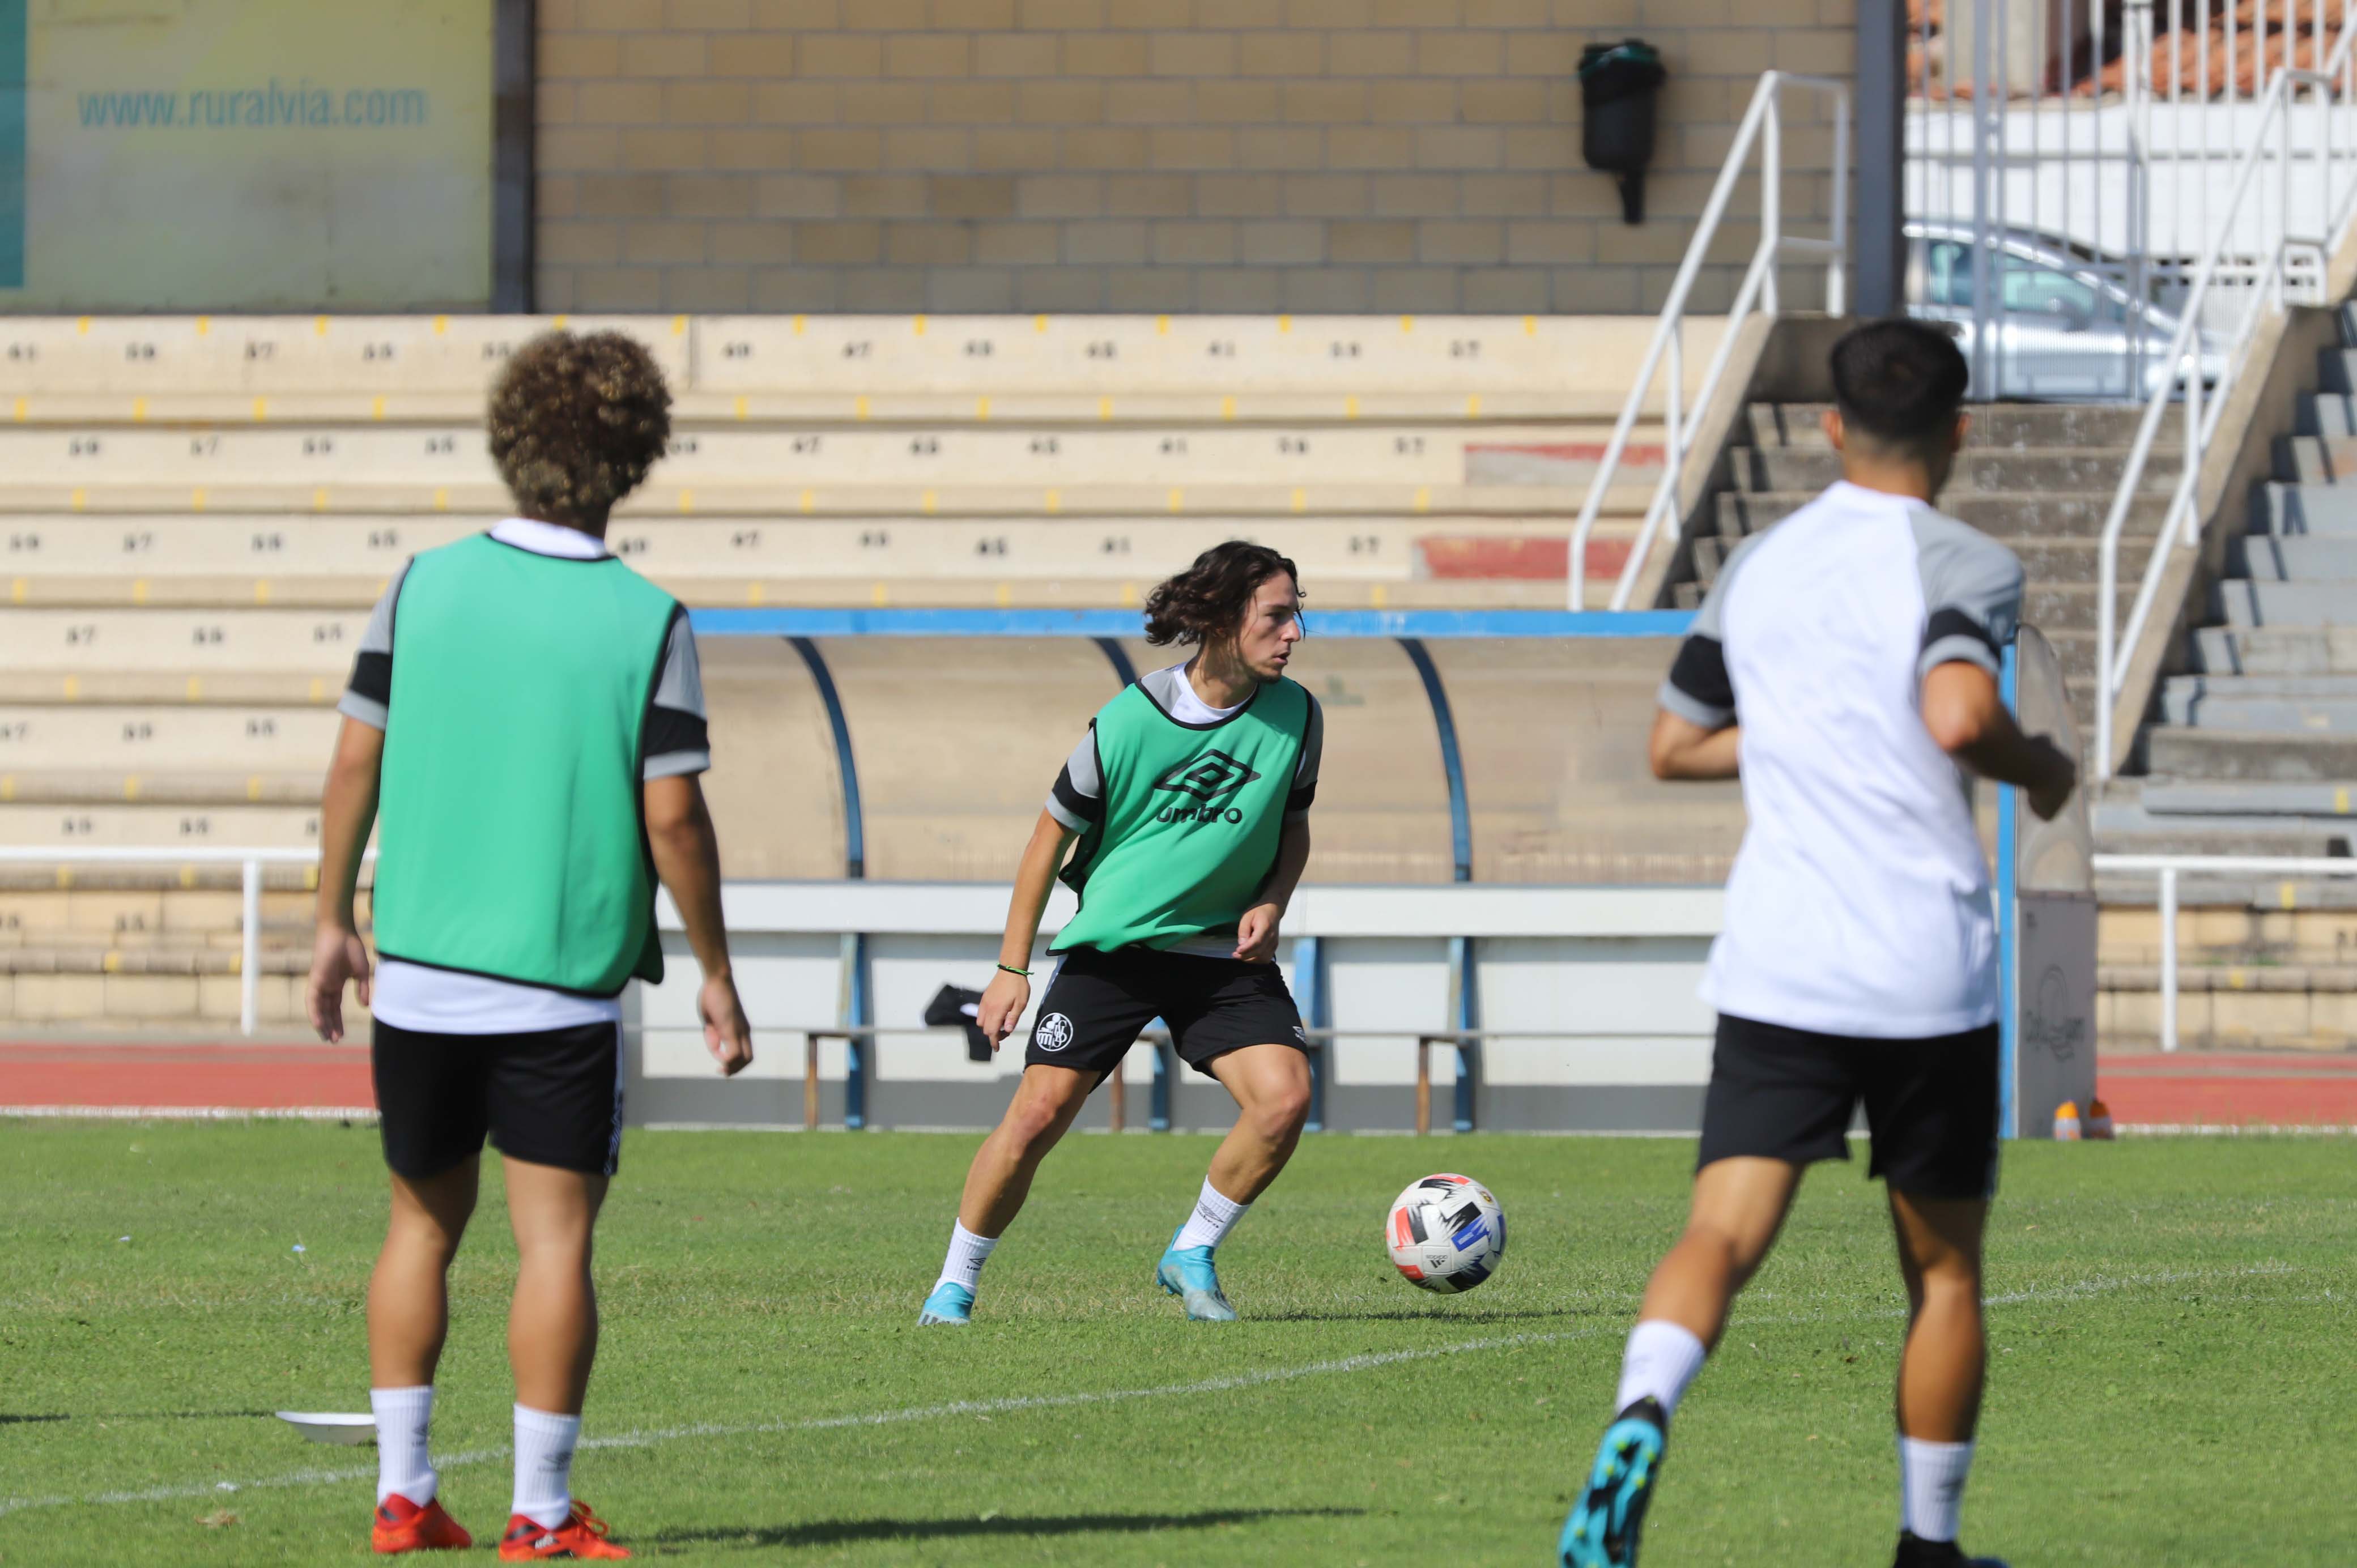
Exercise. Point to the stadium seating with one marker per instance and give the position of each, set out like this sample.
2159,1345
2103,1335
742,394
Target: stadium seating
196,513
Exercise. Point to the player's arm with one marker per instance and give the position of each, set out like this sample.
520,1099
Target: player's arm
1256,927
1680,748
1009,992
1695,735
347,816
1969,721
686,853
1972,604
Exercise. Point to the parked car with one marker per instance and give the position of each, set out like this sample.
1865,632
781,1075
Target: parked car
2065,326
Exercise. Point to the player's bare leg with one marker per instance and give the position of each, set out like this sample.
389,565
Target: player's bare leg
552,1344
409,1298
1046,1101
408,1319
1942,1369
1271,1085
552,1322
1739,1205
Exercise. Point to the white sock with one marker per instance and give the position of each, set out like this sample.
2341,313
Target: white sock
968,1252
1215,1217
402,1417
543,1465
1931,1486
1660,1360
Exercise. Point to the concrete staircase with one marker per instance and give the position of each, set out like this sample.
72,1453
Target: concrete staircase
2039,476
2251,749
2254,749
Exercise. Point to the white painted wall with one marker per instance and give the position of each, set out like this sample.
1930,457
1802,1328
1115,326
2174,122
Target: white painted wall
1603,978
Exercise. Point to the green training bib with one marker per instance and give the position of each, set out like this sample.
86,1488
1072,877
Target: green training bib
511,838
1191,820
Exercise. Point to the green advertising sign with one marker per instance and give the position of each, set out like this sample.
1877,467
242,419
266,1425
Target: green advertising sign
245,154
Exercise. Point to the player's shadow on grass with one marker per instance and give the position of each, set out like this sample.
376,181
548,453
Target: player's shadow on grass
841,1532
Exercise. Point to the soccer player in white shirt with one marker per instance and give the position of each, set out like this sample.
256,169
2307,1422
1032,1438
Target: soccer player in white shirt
1845,666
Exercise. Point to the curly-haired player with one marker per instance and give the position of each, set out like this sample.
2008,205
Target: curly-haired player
532,772
1189,800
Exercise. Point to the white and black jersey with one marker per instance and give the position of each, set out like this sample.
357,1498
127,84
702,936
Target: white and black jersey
1859,903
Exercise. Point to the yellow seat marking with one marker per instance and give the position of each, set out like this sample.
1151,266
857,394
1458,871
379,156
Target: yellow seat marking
253,788
921,326
982,408
319,325
810,501
204,325
1423,499
1177,499
1228,407
1105,408
196,688
196,498
81,498
930,503
376,406
139,411
262,590
859,407
138,590
261,409
880,594
441,499
1055,502
740,406
1300,499
686,501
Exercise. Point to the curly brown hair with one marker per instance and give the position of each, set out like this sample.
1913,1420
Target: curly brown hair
576,421
1207,602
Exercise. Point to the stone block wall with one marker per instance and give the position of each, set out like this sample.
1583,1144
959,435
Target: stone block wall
1138,156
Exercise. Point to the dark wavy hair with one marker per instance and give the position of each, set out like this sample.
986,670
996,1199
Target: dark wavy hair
1207,601
576,421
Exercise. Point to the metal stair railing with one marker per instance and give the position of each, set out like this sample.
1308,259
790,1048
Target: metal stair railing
2293,271
1762,126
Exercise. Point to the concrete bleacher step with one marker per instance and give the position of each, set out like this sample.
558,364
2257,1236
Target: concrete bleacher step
2276,651
1984,470
2127,827
2163,796
990,455
2184,752
185,560
2287,509
2275,703
2307,604
1994,425
2050,514
2042,556
2284,558
161,828
1328,495
138,737
51,780
854,355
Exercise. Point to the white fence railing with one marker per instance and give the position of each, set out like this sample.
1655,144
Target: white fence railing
2304,231
1763,128
2062,144
2168,868
249,861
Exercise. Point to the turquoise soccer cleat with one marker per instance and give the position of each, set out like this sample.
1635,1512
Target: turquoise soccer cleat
1187,1274
1602,1529
950,1303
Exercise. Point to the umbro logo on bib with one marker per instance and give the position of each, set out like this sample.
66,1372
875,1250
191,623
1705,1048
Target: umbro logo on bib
1214,776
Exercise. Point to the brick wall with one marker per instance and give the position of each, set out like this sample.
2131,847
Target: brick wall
1244,156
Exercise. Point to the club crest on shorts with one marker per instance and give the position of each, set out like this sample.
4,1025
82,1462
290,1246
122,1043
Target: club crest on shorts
1052,1032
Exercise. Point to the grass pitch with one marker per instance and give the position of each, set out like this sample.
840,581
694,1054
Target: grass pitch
2172,1377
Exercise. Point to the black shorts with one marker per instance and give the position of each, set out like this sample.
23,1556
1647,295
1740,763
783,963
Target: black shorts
1787,1094
1097,1003
552,1097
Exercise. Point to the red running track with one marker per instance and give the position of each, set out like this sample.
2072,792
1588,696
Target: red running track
2207,1088
233,1077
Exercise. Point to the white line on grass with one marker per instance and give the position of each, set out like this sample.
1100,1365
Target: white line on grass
2100,1284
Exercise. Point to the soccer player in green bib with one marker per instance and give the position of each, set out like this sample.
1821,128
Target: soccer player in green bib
525,725
1189,800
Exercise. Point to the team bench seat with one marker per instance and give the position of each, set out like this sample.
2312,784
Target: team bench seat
1446,358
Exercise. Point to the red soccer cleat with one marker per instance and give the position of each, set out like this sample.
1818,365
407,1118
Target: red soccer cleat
401,1526
581,1537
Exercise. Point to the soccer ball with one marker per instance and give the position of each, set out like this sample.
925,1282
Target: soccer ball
1447,1233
